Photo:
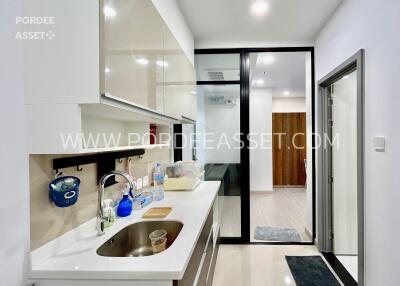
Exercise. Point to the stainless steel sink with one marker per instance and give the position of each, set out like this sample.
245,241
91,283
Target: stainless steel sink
133,240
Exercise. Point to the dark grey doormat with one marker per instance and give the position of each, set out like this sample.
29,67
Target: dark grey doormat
269,233
311,271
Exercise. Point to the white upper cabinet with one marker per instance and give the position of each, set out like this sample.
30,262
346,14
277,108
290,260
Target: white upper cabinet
120,49
179,80
115,61
63,68
133,40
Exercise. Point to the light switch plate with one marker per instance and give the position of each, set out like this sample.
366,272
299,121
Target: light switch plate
145,181
139,183
379,143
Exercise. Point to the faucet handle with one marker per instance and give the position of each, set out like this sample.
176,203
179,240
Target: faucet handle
100,215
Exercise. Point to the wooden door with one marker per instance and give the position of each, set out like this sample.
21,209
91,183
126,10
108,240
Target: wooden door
289,149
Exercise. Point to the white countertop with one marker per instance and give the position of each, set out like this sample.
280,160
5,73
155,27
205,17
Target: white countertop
73,255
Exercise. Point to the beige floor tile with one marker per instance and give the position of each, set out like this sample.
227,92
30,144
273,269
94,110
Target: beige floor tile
256,265
284,207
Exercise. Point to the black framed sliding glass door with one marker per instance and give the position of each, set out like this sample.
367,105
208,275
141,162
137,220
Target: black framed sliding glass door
225,80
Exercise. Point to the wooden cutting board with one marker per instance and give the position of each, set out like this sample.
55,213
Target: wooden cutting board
160,212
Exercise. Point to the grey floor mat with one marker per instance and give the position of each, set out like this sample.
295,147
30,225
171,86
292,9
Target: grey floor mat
311,271
269,233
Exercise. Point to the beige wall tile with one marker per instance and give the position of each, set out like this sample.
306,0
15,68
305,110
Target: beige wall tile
47,221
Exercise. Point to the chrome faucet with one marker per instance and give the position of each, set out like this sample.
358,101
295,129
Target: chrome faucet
100,212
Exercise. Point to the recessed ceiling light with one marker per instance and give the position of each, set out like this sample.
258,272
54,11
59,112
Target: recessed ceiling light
259,7
162,63
109,12
142,61
287,280
268,60
193,92
106,70
286,92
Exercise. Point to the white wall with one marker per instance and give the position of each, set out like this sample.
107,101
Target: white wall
374,26
287,105
14,225
187,130
218,126
261,123
221,120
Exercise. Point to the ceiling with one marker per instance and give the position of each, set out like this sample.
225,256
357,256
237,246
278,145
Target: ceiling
230,21
287,73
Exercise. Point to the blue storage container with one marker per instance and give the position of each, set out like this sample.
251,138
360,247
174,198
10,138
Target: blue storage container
64,195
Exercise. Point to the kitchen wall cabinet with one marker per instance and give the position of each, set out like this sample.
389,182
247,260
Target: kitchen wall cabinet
65,68
143,61
133,42
108,59
179,81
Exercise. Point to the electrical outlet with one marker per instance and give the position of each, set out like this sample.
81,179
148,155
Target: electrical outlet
145,181
139,183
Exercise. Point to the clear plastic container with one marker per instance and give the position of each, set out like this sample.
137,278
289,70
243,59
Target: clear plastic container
158,240
142,200
158,181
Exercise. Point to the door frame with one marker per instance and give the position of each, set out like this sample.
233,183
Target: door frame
245,130
244,160
325,210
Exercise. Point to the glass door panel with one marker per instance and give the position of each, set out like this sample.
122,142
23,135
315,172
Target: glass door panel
218,147
281,193
217,67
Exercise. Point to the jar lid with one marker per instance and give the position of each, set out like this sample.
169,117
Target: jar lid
69,181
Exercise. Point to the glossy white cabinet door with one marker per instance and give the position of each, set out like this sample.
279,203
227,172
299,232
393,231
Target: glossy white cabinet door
133,52
63,66
179,80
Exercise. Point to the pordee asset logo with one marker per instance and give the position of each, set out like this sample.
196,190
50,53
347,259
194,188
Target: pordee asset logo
34,33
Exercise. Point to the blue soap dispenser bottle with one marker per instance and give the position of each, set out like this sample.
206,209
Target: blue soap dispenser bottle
125,205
